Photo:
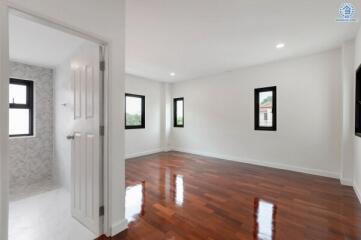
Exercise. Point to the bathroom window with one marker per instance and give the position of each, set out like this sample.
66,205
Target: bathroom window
265,109
134,111
21,104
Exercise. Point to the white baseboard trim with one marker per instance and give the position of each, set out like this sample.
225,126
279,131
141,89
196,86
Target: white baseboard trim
259,163
140,154
119,227
357,190
346,182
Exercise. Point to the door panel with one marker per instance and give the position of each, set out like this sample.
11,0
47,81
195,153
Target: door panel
77,93
75,168
89,92
90,146
86,155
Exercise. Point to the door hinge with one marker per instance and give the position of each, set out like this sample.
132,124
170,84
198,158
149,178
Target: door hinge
102,66
101,131
101,211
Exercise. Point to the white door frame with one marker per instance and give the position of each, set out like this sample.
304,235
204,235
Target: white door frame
5,9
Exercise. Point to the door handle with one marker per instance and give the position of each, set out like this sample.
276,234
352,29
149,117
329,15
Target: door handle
70,137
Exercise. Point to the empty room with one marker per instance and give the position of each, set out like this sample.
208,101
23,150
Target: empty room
240,120
180,119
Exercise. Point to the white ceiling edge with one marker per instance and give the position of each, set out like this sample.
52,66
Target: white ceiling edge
32,63
37,44
204,37
280,60
127,74
283,59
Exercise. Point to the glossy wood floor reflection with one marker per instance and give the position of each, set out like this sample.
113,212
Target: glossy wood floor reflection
181,196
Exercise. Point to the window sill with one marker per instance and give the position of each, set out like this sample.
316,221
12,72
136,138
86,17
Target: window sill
21,137
358,134
269,129
130,128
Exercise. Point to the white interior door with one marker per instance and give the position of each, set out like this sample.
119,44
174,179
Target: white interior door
86,139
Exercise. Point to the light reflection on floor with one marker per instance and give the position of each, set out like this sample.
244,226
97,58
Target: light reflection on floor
135,197
265,215
179,190
134,202
264,211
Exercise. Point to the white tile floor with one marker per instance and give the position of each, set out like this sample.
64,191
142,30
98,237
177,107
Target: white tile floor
45,217
21,191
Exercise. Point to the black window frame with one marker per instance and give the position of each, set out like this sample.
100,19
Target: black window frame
257,91
29,104
358,103
175,110
142,125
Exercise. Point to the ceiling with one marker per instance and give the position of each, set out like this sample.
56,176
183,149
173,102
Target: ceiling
37,44
194,38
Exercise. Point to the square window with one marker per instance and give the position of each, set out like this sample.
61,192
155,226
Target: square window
134,111
265,109
21,108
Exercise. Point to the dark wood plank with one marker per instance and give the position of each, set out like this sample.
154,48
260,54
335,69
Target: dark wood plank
182,196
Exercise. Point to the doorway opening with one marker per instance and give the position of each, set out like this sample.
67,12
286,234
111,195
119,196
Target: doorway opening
55,133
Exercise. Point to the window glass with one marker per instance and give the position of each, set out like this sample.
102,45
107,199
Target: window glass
134,111
180,112
19,121
265,118
17,94
265,109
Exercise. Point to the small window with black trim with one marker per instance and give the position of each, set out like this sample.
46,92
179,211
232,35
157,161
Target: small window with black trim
134,111
178,106
265,103
358,103
21,108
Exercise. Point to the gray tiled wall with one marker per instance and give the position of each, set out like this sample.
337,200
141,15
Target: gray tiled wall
30,158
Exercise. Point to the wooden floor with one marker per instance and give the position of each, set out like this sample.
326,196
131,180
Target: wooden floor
181,196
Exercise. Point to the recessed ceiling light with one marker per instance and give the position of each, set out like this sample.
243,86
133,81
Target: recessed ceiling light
172,74
280,45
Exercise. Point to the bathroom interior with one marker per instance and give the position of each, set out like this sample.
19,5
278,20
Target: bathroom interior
39,152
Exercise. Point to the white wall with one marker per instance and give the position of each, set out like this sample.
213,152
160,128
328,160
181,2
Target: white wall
105,20
4,123
149,140
63,124
357,140
348,109
167,108
219,115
